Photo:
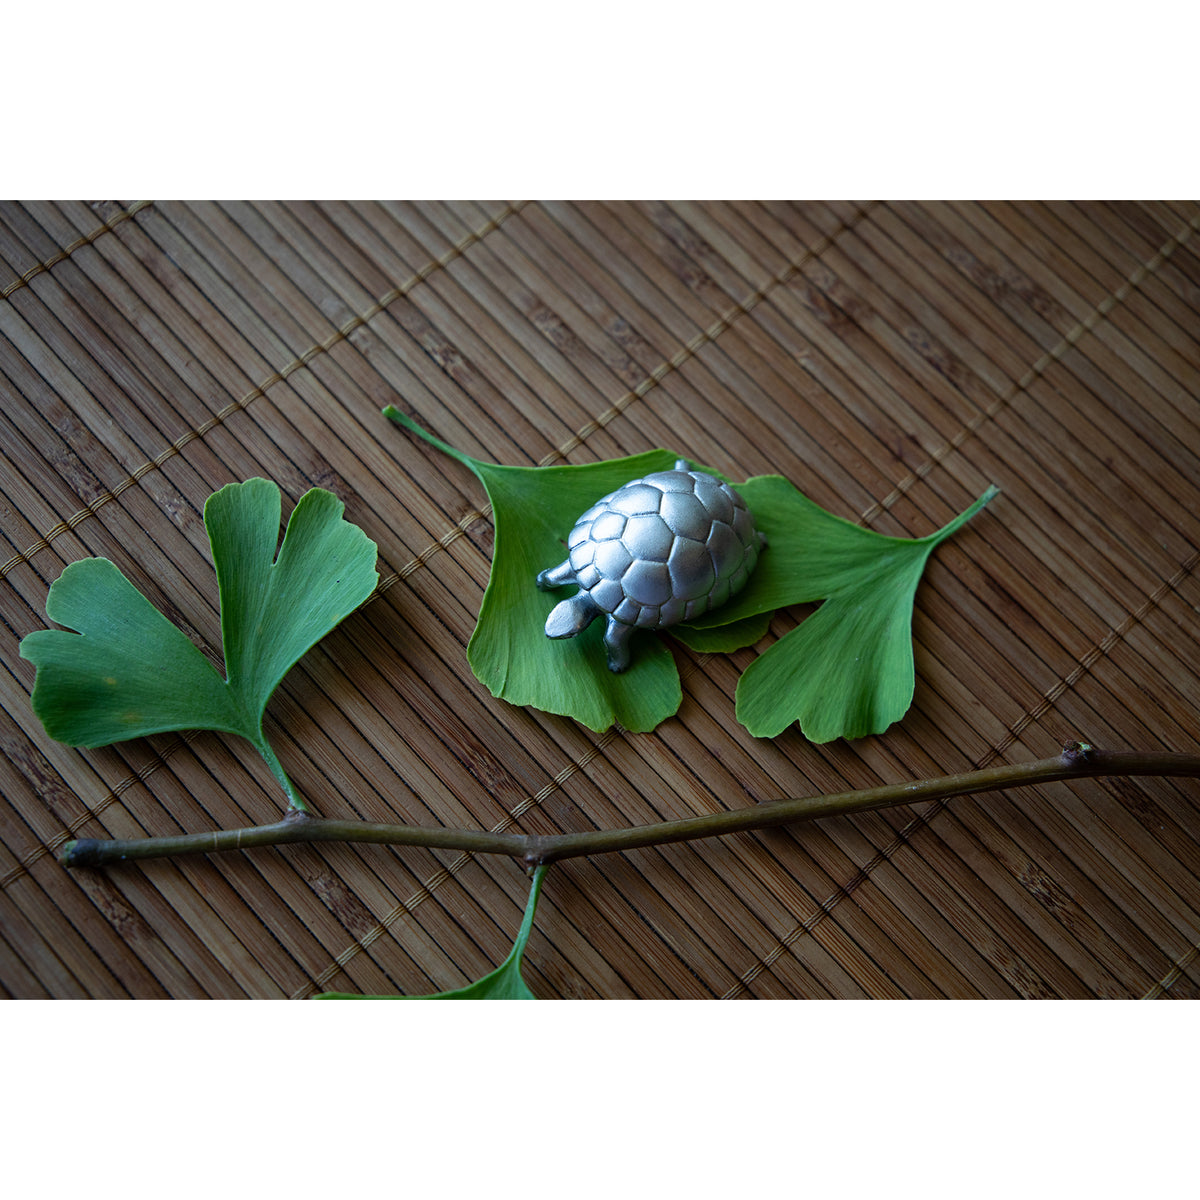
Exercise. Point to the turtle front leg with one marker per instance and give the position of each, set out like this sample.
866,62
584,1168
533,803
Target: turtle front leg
558,576
616,642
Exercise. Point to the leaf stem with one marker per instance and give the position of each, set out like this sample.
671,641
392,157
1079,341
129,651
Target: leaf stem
405,421
295,803
1077,760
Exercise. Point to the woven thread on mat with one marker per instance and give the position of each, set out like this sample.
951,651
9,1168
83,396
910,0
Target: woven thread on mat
1173,976
77,244
1098,314
236,406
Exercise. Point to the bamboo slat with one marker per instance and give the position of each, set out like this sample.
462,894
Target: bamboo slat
892,359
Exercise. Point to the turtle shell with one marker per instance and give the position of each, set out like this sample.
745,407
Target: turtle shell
664,548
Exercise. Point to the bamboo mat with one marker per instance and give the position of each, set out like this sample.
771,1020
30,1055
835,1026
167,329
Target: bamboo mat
892,359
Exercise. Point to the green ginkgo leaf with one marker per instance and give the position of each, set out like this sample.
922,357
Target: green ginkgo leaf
846,672
504,983
126,671
724,638
534,509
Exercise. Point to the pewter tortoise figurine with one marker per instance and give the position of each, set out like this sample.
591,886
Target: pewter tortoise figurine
662,549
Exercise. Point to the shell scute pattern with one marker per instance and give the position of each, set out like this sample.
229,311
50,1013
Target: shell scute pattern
634,499
651,535
662,549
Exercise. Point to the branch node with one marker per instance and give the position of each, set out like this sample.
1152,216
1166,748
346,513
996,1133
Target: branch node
1078,754
80,852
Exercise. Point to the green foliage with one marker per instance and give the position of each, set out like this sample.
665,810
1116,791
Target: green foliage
127,671
504,983
847,671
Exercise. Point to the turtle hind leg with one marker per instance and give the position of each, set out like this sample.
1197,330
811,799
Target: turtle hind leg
616,642
558,576
572,616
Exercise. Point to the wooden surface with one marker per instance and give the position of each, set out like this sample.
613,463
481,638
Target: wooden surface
892,359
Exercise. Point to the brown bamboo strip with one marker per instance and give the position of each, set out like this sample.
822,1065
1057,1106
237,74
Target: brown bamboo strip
428,354
987,888
463,301
1169,217
716,438
557,345
53,844
136,346
800,353
1126,837
714,784
1122,239
1159,826
149,309
1049,654
851,304
903,839
1034,371
958,328
696,342
218,418
851,836
1151,215
78,244
719,790
34,911
1105,876
1153,307
962,380
1072,873
19,981
1068,437
701,862
856,372
1142,359
35,814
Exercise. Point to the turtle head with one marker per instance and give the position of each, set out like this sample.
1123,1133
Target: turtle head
572,616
